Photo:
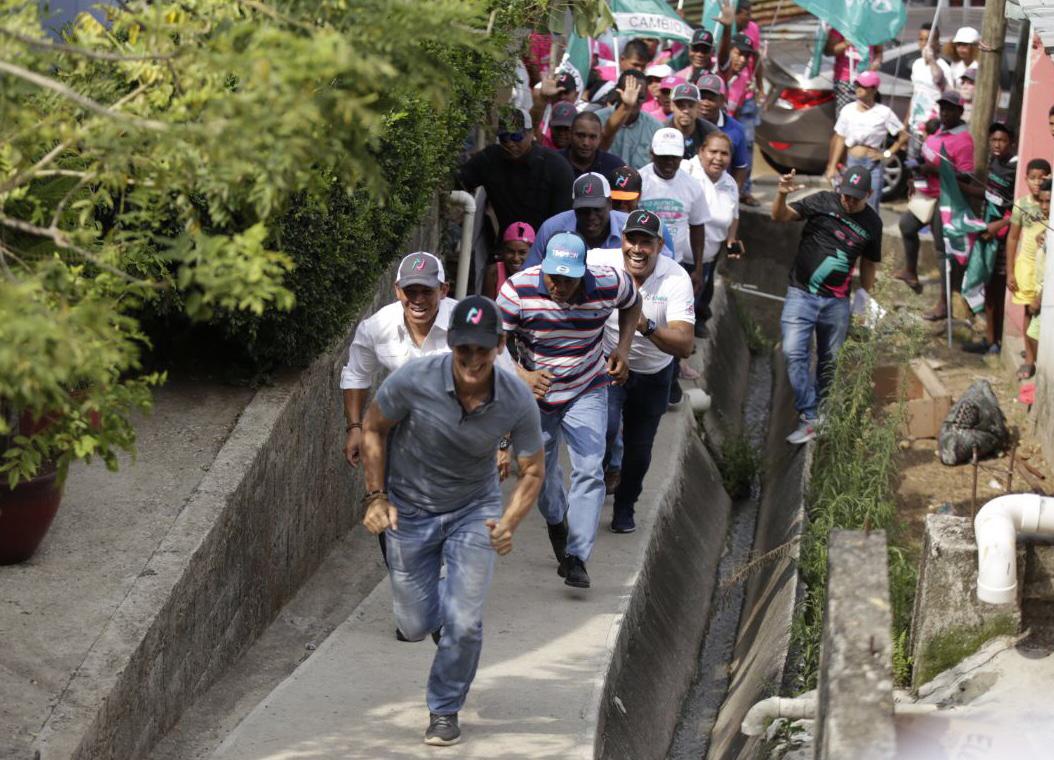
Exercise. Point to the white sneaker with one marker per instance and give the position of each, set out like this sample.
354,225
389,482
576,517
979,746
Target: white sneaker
806,432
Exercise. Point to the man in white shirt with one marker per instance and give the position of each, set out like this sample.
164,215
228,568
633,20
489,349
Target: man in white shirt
414,325
664,331
677,199
930,76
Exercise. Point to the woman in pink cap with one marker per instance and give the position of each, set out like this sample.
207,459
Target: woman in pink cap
515,244
863,128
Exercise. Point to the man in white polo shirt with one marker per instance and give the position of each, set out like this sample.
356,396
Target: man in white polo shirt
414,325
664,331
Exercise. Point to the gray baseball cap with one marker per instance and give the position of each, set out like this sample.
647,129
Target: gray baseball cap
856,182
420,268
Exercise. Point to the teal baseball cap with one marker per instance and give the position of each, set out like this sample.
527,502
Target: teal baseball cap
565,255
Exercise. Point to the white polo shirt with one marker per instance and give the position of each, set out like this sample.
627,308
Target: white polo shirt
722,205
382,341
667,297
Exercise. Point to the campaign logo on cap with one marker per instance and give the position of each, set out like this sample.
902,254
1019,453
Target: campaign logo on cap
563,114
702,37
565,82
420,268
951,97
643,221
626,184
856,182
591,190
743,43
519,231
711,83
668,83
565,255
668,142
475,321
685,92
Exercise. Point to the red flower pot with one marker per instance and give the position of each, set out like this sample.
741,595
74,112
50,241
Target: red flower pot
25,516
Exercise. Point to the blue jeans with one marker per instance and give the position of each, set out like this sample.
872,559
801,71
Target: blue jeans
748,117
416,551
804,315
877,178
638,406
584,422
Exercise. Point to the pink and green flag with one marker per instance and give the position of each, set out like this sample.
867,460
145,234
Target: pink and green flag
961,229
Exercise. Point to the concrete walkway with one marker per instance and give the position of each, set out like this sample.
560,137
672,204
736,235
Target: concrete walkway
545,654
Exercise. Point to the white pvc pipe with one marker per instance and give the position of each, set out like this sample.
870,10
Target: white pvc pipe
996,527
764,712
468,207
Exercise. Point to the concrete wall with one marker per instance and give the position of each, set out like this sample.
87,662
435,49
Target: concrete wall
278,495
855,694
665,618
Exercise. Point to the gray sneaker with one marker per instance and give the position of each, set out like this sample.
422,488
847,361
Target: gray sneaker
442,730
806,432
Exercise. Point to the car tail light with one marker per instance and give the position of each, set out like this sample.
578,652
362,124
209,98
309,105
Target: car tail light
794,99
777,145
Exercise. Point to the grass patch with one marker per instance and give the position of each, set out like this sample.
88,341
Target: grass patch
740,466
852,487
758,343
948,649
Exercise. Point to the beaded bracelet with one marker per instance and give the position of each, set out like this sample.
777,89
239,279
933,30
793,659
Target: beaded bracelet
372,496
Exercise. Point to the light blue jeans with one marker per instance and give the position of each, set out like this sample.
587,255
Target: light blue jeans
584,423
805,315
416,551
877,178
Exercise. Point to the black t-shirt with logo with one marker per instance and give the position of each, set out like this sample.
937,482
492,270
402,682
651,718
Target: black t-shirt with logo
831,242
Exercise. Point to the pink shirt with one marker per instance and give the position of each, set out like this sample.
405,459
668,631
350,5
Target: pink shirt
845,63
958,144
740,89
653,108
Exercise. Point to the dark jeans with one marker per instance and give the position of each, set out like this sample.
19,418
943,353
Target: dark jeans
706,295
640,404
909,231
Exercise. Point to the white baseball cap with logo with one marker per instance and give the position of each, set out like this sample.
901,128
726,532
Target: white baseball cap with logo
668,142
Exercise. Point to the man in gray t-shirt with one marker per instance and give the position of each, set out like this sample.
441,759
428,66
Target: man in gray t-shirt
433,488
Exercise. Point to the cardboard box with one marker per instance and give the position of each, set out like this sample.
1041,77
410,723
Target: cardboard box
927,400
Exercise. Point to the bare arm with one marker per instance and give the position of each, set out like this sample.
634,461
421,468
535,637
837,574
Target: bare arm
676,339
781,212
490,281
354,403
867,274
740,176
901,141
532,474
835,155
380,514
1013,238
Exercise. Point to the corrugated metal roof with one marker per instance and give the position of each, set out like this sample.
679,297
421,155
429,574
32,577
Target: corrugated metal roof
1041,14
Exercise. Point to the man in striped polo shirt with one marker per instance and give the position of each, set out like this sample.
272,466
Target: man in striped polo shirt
555,312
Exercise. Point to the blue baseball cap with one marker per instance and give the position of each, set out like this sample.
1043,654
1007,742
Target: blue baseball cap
565,255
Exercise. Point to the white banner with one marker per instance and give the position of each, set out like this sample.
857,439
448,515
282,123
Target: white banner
652,25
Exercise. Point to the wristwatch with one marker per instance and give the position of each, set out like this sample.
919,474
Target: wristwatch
649,328
504,443
887,154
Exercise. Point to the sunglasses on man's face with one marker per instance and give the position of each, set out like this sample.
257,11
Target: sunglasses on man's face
511,136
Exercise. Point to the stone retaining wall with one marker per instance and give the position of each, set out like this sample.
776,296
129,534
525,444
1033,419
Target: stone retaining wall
276,498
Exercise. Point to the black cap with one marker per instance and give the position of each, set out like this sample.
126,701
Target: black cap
743,43
565,82
475,321
643,221
591,190
626,184
636,74
702,37
856,182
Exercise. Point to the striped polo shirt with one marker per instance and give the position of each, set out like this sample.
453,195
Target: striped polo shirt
564,339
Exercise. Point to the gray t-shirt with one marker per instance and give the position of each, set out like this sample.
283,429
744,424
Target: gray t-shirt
440,458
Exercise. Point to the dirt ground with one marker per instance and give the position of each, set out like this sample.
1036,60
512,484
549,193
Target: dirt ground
926,485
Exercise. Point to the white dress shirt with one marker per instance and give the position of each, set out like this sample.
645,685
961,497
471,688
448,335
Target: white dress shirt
722,205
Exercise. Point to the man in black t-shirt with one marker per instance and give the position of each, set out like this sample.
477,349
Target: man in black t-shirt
998,194
839,229
584,153
525,182
685,118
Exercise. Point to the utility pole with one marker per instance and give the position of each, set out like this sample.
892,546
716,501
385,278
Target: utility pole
1017,87
986,93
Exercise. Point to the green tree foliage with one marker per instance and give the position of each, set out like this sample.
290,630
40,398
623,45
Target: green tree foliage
158,159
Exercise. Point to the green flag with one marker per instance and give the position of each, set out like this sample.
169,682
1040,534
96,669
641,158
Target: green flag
649,18
960,228
578,59
862,23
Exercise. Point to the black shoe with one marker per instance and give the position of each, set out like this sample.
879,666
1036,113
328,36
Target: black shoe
399,636
436,635
558,538
623,523
700,330
977,347
575,572
442,730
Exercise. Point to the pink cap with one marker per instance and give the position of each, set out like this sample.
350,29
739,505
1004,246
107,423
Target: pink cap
519,231
868,79
668,83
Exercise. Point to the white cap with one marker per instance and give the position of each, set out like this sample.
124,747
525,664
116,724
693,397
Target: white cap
659,70
967,35
668,142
